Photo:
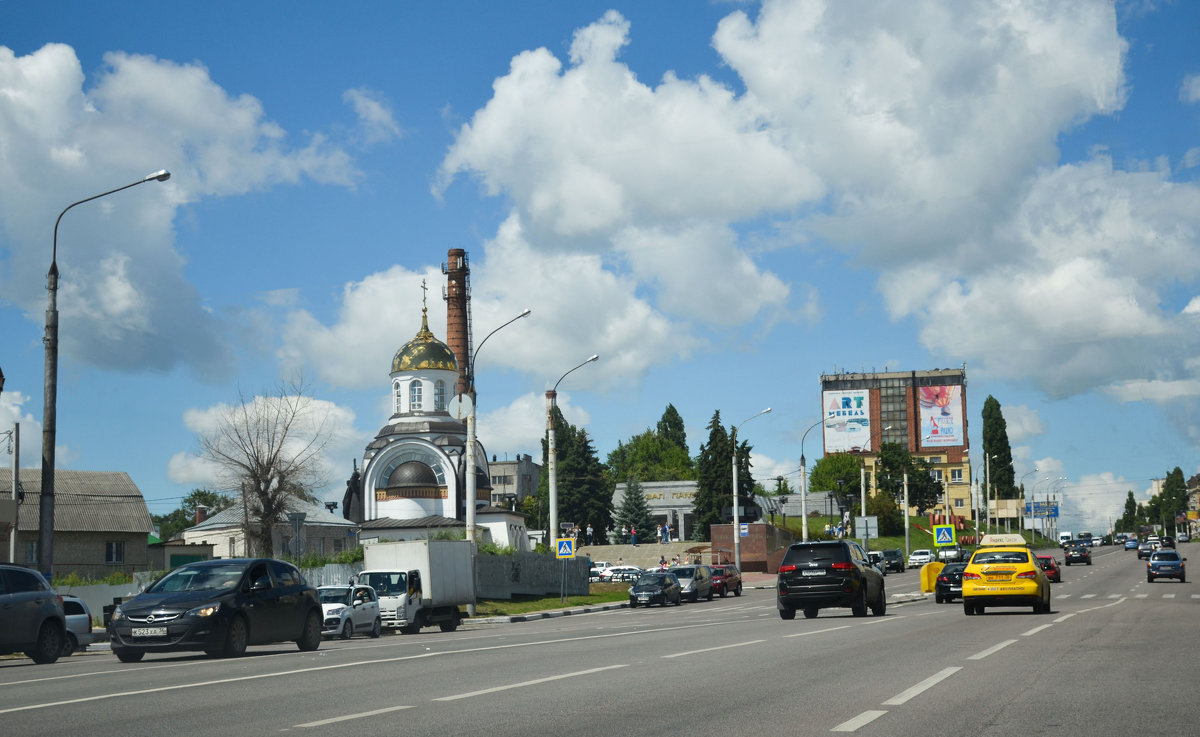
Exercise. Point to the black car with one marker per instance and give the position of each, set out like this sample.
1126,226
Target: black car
1077,554
220,607
31,615
948,586
828,573
655,588
893,560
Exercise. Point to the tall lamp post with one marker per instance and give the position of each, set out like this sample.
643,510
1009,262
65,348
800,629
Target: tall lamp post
551,460
737,520
49,410
470,459
1021,509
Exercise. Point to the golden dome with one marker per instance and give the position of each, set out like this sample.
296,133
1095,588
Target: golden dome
424,352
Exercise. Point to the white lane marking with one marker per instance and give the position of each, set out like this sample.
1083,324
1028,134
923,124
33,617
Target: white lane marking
924,685
1114,596
362,715
1196,596
1064,617
1035,630
1088,596
1143,596
523,684
863,719
817,632
1064,596
1168,596
710,649
991,650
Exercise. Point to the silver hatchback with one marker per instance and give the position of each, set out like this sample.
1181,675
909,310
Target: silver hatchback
695,581
31,615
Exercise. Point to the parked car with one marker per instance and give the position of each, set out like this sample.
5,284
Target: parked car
876,558
1145,549
31,615
727,579
349,609
1004,572
1050,565
948,585
78,634
655,587
920,557
893,560
1077,554
695,581
1131,543
614,574
818,575
220,607
1166,564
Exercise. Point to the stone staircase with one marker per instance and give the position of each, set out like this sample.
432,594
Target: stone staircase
646,555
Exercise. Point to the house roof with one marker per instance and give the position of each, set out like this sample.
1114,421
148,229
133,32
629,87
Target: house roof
314,515
389,523
84,501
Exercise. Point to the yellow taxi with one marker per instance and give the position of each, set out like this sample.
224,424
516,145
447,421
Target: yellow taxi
1003,571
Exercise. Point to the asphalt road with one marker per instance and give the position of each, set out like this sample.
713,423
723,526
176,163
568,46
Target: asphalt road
1111,659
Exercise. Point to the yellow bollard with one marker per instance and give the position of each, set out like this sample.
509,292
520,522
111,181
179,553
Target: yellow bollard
929,574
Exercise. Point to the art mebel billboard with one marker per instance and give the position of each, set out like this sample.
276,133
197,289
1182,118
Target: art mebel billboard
847,420
941,410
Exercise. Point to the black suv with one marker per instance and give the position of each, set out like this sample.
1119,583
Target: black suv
893,560
828,573
220,607
31,615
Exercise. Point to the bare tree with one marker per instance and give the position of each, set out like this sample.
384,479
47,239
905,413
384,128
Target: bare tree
269,451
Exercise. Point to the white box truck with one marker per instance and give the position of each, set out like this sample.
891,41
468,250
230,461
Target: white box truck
420,583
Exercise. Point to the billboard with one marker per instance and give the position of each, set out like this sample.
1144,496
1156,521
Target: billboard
941,412
847,420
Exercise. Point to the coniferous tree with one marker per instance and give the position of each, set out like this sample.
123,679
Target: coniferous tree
713,480
670,429
634,512
997,451
584,492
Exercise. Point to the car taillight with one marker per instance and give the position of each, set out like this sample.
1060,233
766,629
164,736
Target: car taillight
842,566
787,568
967,575
1027,574
944,579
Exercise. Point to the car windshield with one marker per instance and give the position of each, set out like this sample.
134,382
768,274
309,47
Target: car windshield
391,583
1001,556
334,596
203,578
650,580
685,572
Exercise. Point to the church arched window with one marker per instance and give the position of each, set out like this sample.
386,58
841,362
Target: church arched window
414,396
439,396
397,397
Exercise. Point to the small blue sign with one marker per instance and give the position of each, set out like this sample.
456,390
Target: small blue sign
565,547
943,535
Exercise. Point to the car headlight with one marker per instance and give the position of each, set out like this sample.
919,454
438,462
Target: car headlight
335,611
117,614
203,611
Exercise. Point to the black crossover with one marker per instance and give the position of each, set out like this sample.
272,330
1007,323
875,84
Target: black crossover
831,573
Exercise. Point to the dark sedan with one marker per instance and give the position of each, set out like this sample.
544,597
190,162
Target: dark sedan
220,607
1077,554
948,586
655,588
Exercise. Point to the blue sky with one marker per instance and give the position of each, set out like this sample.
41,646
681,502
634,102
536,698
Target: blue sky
724,204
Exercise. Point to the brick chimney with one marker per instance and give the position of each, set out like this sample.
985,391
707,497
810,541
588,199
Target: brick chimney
201,513
458,319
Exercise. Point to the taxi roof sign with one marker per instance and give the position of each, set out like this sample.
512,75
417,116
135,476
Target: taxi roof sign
1004,539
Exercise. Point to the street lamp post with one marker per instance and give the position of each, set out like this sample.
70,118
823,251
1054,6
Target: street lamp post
50,398
1021,508
737,526
551,456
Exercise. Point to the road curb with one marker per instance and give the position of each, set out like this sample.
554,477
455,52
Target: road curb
532,616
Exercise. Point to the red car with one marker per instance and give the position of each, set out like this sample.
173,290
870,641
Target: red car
1051,567
726,580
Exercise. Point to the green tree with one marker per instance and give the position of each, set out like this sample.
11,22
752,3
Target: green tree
713,480
891,518
634,512
654,455
584,491
670,429
1129,520
174,522
895,462
841,475
996,448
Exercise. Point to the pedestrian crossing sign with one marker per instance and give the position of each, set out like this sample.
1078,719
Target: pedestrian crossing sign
565,547
943,535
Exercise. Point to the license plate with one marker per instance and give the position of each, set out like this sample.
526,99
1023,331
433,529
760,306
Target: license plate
643,598
149,632
813,573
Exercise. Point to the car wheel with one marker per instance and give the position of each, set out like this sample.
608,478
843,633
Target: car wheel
1089,561
1149,579
48,645
938,598
377,628
810,612
880,606
788,613
710,595
632,604
70,643
347,630
128,656
968,608
1183,578
451,625
310,636
723,592
678,601
236,638
738,590
859,607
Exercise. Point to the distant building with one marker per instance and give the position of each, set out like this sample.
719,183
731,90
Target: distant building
926,411
512,481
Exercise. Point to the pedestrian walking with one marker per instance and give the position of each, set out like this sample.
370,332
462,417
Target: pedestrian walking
589,533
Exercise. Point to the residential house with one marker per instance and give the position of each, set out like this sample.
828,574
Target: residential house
322,532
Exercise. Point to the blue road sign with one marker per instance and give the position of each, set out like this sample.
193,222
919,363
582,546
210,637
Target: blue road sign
564,547
943,535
